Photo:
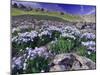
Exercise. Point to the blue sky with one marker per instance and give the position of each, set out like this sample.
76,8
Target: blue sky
67,8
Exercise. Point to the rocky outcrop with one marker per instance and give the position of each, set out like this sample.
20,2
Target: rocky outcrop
71,61
89,18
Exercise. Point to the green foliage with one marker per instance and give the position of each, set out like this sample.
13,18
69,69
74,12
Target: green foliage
55,34
23,45
15,33
37,65
81,50
62,46
85,40
43,40
92,56
37,42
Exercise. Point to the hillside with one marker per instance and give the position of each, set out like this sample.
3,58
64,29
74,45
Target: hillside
89,18
65,17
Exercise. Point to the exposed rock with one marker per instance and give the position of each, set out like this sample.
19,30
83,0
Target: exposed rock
89,18
58,68
79,25
71,61
89,63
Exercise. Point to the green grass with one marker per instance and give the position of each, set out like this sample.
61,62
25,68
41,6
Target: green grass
62,46
82,51
66,17
92,56
37,64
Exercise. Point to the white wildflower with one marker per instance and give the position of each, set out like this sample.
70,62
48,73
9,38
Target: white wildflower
42,71
88,35
89,52
88,43
68,35
24,66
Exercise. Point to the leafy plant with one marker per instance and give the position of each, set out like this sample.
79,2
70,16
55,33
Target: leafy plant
81,50
85,40
23,45
15,33
43,40
62,46
55,34
37,65
92,56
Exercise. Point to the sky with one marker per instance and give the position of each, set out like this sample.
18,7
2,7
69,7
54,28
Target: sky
67,8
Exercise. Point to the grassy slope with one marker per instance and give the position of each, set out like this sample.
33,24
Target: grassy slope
66,17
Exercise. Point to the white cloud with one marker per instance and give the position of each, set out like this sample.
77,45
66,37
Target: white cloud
91,12
82,8
35,5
